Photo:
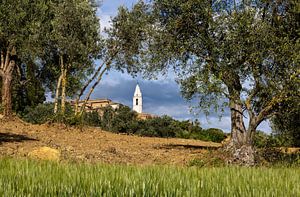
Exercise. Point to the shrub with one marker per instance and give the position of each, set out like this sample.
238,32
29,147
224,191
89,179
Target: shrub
277,157
92,119
124,120
215,135
43,113
121,120
39,114
260,139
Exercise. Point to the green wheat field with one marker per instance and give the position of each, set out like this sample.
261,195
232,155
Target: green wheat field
34,178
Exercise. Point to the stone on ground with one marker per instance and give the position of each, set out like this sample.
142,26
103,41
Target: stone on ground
45,153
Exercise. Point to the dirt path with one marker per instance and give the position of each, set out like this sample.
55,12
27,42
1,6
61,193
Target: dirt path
17,139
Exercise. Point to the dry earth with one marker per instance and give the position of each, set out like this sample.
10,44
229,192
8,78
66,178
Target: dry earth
18,139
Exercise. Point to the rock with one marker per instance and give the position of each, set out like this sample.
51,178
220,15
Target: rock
1,116
45,153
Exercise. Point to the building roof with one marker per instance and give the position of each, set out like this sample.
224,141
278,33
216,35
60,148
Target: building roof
137,91
96,101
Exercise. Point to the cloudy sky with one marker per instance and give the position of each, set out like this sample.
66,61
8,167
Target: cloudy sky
160,96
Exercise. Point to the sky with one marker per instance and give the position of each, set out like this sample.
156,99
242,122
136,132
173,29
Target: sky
160,97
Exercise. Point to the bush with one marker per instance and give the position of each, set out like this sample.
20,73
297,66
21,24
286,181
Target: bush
262,140
92,119
120,120
277,157
124,120
215,135
43,113
39,114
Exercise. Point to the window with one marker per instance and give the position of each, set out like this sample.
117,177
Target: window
136,101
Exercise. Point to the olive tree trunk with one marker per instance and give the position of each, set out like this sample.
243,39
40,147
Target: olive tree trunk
6,95
58,85
241,145
6,73
61,84
63,91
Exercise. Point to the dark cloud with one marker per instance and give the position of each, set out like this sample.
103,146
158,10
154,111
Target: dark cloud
160,97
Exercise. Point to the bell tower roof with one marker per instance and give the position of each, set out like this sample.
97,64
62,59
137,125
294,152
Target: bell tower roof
137,91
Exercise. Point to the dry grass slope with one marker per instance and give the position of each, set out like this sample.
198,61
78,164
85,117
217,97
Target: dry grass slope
18,138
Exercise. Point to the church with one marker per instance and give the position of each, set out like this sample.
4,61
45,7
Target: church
137,104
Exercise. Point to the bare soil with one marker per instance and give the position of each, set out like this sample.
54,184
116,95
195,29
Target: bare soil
93,145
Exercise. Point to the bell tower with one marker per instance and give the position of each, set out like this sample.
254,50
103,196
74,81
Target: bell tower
137,101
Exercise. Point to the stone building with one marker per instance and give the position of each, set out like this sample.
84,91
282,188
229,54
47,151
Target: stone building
97,104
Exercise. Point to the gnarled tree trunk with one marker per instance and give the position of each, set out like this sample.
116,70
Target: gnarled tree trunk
6,95
6,73
240,146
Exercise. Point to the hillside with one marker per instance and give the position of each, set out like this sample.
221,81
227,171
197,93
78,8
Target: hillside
17,139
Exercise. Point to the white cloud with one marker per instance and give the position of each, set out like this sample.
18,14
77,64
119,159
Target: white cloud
171,110
209,122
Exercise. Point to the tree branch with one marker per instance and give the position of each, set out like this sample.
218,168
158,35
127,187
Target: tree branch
6,64
115,51
93,87
24,82
2,60
87,84
264,113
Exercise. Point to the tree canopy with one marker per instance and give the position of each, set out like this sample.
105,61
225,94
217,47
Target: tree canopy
19,27
240,54
47,41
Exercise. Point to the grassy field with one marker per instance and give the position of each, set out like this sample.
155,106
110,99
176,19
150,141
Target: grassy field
33,178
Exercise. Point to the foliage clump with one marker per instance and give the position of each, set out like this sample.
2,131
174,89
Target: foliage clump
124,120
44,113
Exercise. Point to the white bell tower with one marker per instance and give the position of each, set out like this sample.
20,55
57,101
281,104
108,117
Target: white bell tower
137,102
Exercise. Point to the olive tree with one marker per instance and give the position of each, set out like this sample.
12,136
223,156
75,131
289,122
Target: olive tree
73,41
19,27
243,55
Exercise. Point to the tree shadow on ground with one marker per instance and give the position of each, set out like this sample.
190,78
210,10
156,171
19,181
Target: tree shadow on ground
10,137
186,146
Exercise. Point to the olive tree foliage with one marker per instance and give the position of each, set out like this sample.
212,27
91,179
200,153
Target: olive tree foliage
286,124
243,52
72,43
19,27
